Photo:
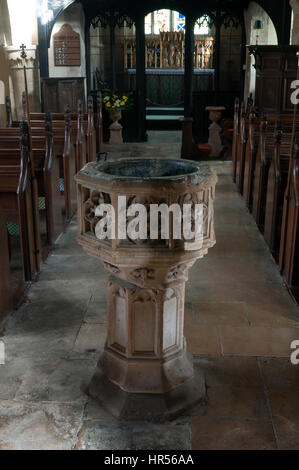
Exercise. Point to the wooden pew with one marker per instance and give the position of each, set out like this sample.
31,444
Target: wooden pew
81,150
264,157
64,150
99,125
289,247
47,174
241,145
92,123
6,297
235,137
91,133
51,186
16,199
249,159
277,181
69,168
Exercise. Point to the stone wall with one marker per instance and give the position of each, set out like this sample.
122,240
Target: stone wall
295,22
74,16
18,24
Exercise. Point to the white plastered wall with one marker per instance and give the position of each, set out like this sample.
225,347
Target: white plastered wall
266,36
74,16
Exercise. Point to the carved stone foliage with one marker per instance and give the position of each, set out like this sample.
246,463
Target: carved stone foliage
111,268
179,272
142,274
16,62
93,199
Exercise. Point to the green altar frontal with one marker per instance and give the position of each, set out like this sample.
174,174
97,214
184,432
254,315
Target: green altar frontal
166,86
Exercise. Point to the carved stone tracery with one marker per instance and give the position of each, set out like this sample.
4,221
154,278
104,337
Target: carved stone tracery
94,199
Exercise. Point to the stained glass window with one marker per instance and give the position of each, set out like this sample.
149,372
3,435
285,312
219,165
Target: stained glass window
203,28
168,20
161,21
148,24
178,21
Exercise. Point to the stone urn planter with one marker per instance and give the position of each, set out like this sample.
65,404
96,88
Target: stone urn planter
145,371
115,128
215,142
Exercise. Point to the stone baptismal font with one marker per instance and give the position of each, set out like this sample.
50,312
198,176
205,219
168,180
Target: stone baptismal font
145,371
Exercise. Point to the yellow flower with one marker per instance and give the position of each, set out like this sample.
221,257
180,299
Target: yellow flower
108,105
123,103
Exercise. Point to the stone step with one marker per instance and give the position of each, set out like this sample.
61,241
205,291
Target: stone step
164,111
165,117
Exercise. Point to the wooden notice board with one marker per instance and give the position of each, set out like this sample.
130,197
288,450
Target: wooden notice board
67,50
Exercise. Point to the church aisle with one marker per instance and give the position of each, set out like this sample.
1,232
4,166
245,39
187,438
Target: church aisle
239,323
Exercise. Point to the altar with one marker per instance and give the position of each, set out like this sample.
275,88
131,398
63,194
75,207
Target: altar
164,66
165,86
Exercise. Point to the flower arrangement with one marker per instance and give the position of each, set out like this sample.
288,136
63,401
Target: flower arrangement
116,101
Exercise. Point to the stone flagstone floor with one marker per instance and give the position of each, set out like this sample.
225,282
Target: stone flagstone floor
239,323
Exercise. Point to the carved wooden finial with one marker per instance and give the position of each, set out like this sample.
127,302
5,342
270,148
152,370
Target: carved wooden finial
264,123
67,116
278,131
24,134
90,104
80,108
250,100
251,115
8,112
24,106
48,124
90,115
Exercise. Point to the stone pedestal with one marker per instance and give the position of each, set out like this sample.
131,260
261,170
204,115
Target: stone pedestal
115,128
215,129
145,371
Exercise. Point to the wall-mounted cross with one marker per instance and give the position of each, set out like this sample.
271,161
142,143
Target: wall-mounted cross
23,52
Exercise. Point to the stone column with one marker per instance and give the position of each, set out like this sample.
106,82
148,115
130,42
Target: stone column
295,33
189,66
140,78
145,350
